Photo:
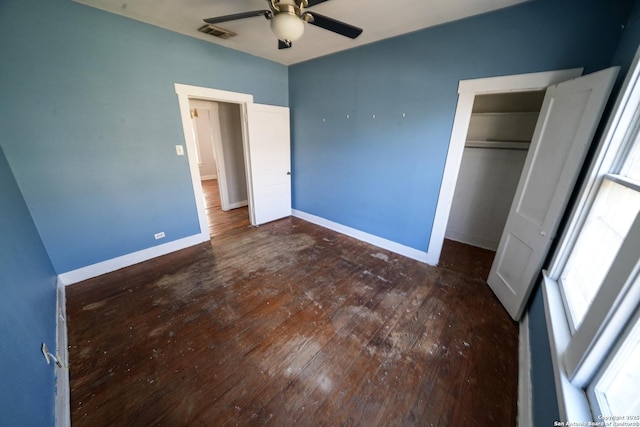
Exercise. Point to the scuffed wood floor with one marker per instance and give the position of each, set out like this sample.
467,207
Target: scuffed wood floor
289,324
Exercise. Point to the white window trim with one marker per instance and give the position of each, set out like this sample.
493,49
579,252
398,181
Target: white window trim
619,353
600,336
572,400
573,404
616,303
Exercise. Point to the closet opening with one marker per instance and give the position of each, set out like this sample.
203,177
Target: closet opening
496,146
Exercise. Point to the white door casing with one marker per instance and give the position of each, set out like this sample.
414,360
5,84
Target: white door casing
268,159
568,120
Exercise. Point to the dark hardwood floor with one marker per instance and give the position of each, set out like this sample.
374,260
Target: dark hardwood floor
470,260
290,324
220,221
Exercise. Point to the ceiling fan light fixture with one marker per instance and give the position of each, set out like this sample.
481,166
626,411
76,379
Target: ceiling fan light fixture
287,26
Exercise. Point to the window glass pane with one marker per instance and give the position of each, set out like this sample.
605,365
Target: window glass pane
608,222
617,391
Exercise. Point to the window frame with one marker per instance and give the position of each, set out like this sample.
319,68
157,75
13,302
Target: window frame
579,355
619,350
607,178
609,314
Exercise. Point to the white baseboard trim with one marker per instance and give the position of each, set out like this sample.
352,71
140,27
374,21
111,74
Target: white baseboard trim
63,390
84,273
525,414
238,204
361,235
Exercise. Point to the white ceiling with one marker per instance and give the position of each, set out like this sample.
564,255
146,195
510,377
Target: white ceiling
380,19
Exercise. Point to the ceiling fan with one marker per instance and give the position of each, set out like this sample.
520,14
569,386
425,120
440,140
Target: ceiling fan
288,18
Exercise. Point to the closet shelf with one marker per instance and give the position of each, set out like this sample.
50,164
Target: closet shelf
504,145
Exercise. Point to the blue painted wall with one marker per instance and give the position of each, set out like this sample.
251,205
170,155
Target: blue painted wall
27,312
90,120
382,175
629,42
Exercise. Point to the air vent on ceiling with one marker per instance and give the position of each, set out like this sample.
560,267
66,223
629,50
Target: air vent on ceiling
216,31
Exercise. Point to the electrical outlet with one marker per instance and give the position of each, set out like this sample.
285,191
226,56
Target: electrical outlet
179,150
159,235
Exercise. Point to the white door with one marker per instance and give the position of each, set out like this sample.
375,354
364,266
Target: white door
269,158
569,117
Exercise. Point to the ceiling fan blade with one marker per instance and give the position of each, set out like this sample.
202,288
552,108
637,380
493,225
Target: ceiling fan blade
284,45
314,2
218,19
334,25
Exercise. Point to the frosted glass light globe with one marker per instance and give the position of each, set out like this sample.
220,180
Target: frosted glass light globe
287,26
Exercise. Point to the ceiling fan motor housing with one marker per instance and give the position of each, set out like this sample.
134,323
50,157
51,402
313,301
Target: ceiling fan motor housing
287,23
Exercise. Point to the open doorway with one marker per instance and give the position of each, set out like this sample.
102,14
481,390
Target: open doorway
186,93
496,146
266,155
217,131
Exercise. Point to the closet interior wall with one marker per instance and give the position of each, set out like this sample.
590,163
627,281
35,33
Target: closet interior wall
498,138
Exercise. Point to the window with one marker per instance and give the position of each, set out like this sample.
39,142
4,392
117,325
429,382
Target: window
607,224
614,391
592,287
